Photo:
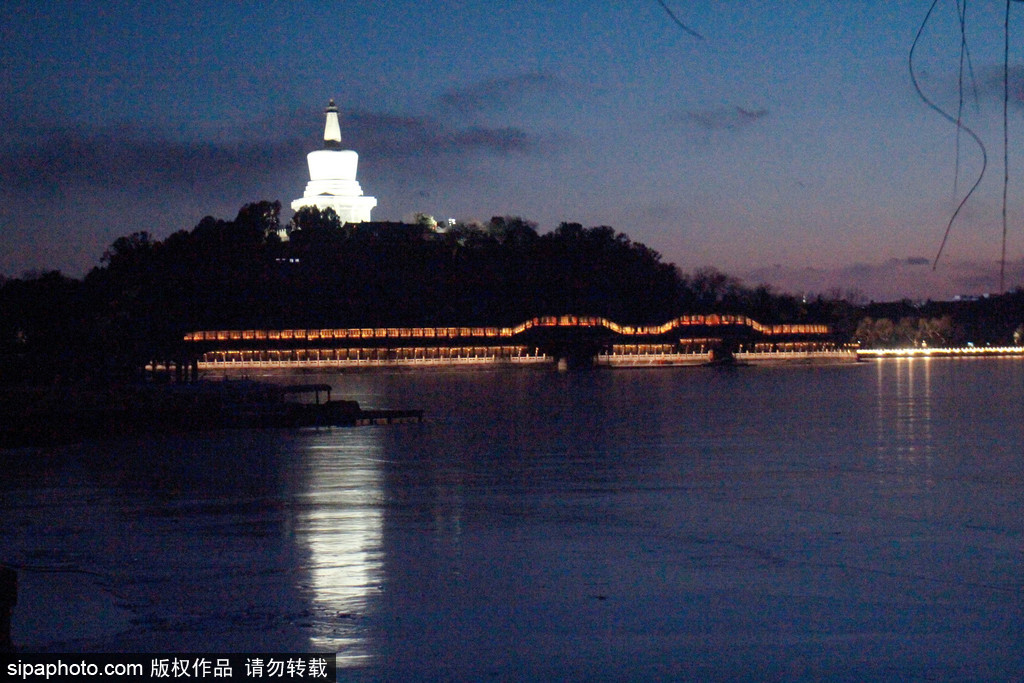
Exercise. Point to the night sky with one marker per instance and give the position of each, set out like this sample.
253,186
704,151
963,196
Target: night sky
787,145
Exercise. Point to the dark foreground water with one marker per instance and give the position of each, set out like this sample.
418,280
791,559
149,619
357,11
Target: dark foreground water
844,522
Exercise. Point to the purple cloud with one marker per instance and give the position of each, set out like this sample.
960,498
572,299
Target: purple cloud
497,93
733,118
893,279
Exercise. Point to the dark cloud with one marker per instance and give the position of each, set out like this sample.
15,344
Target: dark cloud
733,118
49,162
990,83
918,261
401,137
986,86
497,93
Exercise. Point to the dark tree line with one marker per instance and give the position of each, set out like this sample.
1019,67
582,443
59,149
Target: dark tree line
241,273
996,320
254,272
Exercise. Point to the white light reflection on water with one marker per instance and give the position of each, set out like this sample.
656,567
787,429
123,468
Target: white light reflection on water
339,520
903,409
905,443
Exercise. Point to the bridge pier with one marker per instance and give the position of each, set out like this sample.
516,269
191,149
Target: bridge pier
575,359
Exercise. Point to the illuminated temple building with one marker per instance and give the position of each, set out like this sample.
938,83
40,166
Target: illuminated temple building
332,177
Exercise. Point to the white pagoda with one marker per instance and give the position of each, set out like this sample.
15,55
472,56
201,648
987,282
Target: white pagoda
332,177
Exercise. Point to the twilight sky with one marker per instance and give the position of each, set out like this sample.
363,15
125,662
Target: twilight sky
787,146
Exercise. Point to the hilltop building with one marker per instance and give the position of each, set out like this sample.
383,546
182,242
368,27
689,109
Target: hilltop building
332,177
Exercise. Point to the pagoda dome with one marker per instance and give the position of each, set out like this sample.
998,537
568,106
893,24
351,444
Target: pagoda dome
332,177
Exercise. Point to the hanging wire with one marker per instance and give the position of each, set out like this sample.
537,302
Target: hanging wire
1006,140
961,11
965,59
967,54
955,121
681,25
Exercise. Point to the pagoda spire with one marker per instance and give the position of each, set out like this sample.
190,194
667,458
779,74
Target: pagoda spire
332,177
332,129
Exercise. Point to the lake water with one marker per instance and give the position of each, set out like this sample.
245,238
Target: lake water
851,522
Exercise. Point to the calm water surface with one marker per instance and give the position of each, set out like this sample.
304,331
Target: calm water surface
859,522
